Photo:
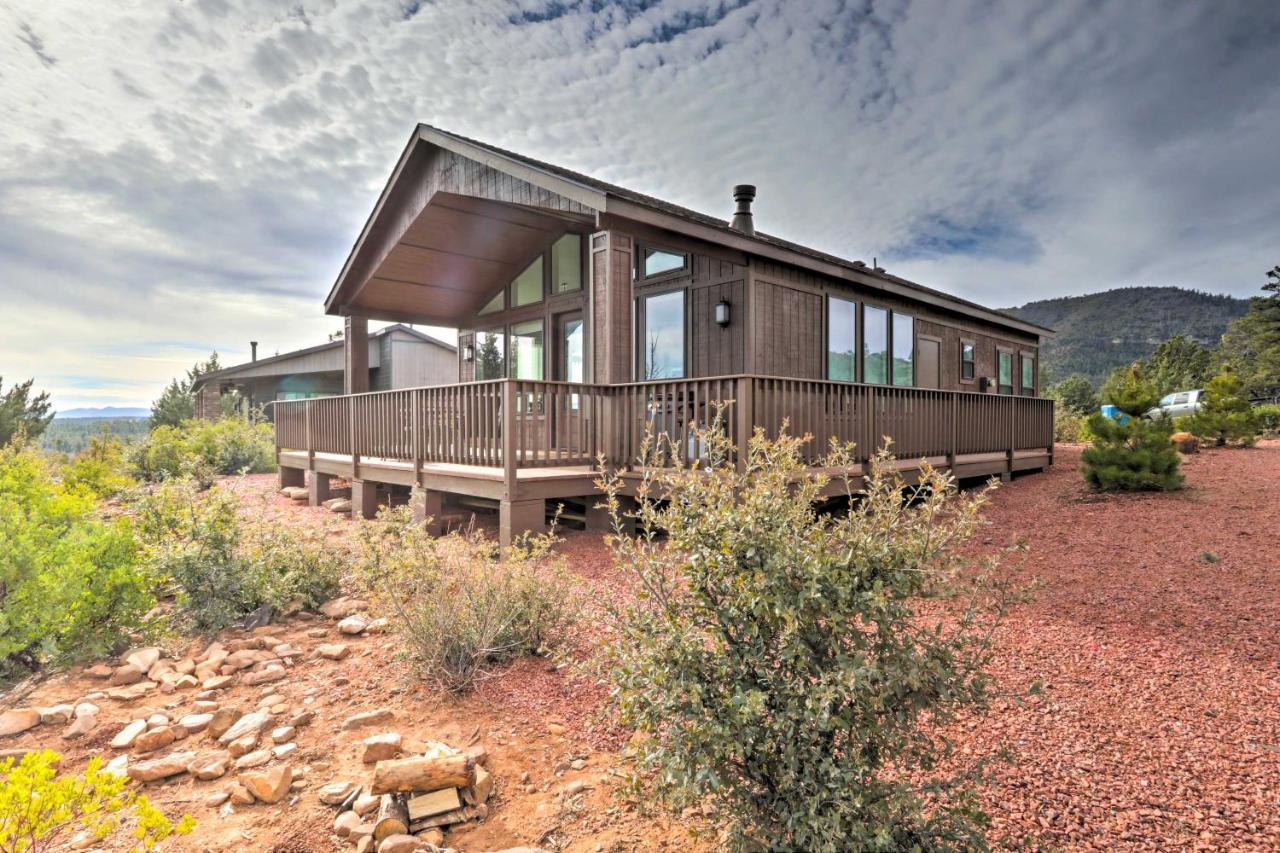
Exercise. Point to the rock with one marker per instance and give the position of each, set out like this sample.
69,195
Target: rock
186,682
244,745
433,836
577,786
18,721
133,691
80,726
144,658
101,671
186,666
285,650
127,674
154,739
210,765
377,626
129,734
157,720
402,844
317,633
205,706
86,709
365,844
216,799
335,793
333,651
248,724
343,606
368,718
217,682
257,758
270,785
161,768
223,719
282,734
284,750
353,625
1185,442
344,823
118,766
240,795
381,747
195,723
555,728
366,803
264,676
302,718
56,715
179,731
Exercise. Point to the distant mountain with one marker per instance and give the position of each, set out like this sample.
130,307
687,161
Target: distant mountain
1101,331
104,412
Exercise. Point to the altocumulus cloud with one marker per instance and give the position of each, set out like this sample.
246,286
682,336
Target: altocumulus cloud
176,178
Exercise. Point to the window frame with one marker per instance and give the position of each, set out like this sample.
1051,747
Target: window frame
641,248
542,261
857,330
973,363
642,333
863,352
893,341
1001,352
501,332
1026,357
551,292
510,349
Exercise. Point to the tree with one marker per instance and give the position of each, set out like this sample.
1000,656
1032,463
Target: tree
1225,415
176,403
1075,393
1179,364
1130,452
778,662
22,413
1251,344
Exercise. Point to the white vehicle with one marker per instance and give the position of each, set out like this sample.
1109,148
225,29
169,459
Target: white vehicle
1179,404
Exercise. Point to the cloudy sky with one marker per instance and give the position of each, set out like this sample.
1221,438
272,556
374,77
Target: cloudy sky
178,177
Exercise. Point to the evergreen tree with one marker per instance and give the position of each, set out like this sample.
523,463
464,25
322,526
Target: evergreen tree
1076,394
1131,453
176,403
22,413
1224,414
1252,344
1179,364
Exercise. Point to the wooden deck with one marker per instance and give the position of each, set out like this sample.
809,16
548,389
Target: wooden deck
522,442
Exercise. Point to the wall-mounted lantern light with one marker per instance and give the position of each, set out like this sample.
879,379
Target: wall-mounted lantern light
722,313
468,353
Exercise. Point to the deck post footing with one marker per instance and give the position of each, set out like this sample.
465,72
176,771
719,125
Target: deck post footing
318,490
292,477
364,499
429,505
517,517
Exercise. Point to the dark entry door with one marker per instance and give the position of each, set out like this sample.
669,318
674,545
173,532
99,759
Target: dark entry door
928,351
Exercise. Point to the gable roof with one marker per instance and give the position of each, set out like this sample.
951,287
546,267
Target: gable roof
608,198
229,372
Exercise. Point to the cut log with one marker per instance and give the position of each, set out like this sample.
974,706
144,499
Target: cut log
461,815
480,791
393,817
424,774
430,805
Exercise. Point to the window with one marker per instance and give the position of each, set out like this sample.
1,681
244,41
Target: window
1166,400
526,350
656,261
497,303
875,345
1006,373
527,288
489,355
1178,399
571,340
968,351
566,264
842,339
904,349
1028,374
662,349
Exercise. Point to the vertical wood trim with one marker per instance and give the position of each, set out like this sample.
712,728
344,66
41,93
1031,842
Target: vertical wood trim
509,444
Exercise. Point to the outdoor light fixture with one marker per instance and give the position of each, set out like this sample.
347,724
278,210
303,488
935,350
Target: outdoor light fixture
468,353
722,313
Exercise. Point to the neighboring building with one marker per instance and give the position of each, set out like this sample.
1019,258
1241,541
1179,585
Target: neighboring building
652,312
398,357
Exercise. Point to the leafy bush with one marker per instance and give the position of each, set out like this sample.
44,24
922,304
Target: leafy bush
1075,394
224,567
1067,425
1224,416
100,469
460,604
1268,415
203,449
39,808
72,584
1136,455
778,661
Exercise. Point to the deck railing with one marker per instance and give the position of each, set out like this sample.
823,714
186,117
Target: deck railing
515,423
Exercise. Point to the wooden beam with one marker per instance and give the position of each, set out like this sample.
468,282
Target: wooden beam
355,344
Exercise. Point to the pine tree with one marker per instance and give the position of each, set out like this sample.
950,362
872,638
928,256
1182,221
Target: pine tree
20,412
1132,453
1225,415
176,403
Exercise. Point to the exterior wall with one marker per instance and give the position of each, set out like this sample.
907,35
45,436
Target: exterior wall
611,262
208,405
414,363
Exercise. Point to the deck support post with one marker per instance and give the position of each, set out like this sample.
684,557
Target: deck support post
364,499
598,519
292,477
318,490
428,509
517,517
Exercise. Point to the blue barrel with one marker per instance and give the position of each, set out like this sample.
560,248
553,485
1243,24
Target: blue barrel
1115,414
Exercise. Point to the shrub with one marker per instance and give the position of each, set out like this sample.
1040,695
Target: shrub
777,660
1067,425
203,449
72,584
100,469
460,604
39,808
225,568
1225,415
1268,415
1075,393
1135,455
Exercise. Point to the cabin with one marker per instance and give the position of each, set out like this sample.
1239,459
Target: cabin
397,357
589,314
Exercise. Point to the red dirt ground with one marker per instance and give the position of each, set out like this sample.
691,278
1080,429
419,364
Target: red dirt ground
1153,632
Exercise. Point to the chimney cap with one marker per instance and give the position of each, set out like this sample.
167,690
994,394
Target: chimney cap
748,190
743,194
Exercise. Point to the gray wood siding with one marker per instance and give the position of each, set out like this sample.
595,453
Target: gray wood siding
787,331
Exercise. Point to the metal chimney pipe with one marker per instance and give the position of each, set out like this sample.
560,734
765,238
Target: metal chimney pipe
743,194
253,350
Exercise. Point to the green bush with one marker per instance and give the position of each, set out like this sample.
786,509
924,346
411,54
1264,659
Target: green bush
225,566
1067,425
72,584
459,604
1268,415
778,662
1136,455
100,469
203,449
1224,416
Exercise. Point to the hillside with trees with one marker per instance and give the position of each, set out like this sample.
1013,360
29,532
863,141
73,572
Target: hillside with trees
1100,332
